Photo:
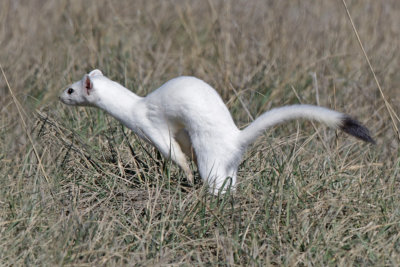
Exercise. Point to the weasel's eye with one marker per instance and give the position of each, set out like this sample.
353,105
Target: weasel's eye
70,91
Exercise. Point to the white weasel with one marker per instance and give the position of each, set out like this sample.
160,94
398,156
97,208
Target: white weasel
187,117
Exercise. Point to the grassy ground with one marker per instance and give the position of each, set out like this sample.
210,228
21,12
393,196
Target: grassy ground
77,188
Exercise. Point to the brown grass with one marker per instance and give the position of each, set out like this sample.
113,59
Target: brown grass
77,188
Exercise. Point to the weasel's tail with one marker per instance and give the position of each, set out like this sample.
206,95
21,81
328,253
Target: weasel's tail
279,115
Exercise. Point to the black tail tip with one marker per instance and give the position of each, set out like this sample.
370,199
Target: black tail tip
355,128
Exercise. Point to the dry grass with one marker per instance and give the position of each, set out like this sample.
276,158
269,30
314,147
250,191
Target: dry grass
94,194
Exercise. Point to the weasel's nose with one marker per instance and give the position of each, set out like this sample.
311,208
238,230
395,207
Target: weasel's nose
60,98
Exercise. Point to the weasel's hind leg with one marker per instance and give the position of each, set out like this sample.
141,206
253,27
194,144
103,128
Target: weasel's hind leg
217,159
217,174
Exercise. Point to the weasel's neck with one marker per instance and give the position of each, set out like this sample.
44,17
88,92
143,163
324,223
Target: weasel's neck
122,104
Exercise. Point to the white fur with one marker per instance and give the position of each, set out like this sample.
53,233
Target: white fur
187,117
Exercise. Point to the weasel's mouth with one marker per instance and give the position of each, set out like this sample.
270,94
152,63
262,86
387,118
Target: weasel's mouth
64,100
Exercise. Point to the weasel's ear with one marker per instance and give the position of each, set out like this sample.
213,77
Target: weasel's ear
95,72
88,84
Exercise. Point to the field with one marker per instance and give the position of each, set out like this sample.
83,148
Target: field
78,188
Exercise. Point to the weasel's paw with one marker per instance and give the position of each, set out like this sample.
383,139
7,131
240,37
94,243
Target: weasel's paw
190,178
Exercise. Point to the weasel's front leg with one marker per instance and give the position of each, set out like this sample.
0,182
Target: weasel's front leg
180,159
170,149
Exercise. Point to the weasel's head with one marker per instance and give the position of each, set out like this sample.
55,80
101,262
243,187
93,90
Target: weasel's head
81,93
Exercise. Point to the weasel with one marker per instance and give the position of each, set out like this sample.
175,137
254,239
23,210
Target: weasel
186,117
